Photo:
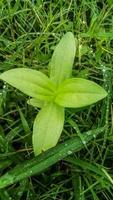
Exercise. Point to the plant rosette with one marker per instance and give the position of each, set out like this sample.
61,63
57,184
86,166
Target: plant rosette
52,94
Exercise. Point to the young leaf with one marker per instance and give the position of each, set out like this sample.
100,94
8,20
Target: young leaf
78,92
36,102
47,128
30,82
62,60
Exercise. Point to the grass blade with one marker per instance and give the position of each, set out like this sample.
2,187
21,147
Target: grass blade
45,160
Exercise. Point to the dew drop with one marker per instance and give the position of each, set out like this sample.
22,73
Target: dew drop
84,142
69,152
88,133
4,86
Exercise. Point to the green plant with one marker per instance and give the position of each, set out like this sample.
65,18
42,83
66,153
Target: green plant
53,94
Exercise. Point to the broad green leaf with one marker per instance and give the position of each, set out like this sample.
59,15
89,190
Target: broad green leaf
47,128
78,92
30,82
36,102
62,60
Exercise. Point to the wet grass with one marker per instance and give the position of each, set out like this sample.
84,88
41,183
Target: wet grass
83,169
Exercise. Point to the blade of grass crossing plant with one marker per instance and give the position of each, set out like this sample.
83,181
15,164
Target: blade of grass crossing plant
62,60
78,92
45,160
36,102
47,128
30,82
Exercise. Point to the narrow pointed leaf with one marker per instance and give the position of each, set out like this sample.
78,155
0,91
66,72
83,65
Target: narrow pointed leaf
30,82
36,102
62,60
40,163
78,92
47,128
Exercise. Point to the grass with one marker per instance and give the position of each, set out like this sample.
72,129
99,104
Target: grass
29,32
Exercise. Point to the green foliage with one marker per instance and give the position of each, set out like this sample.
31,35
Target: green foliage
29,32
56,93
42,162
47,128
36,102
78,92
30,82
62,59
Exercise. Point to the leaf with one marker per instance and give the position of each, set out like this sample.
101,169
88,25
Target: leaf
42,162
78,92
47,128
36,102
30,82
62,60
